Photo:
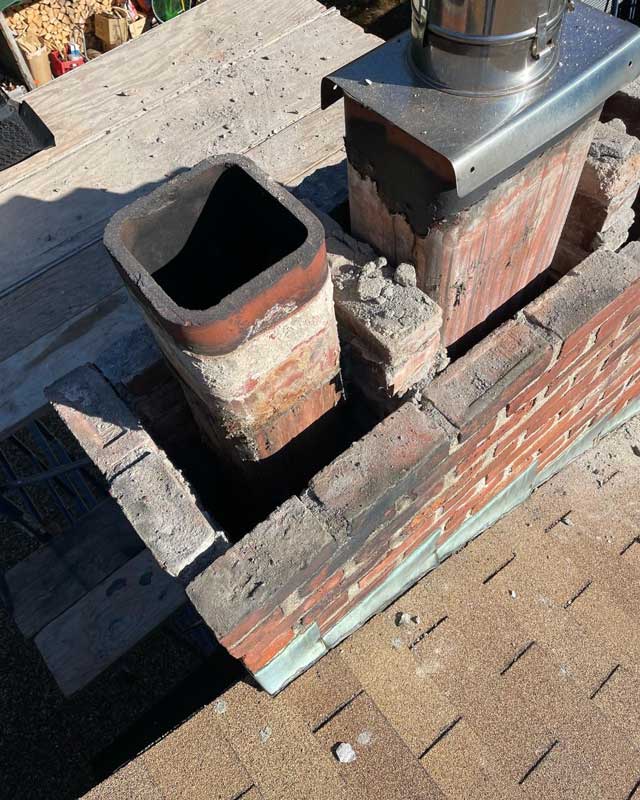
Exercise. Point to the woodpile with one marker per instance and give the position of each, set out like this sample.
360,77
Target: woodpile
56,22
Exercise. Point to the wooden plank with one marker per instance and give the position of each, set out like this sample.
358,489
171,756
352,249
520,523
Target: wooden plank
56,214
74,285
24,375
303,147
35,314
51,579
63,292
108,621
146,73
15,52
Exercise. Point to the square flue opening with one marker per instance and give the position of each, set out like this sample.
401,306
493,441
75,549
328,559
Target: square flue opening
214,238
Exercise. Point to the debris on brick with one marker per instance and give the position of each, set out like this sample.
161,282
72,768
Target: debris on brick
405,275
391,327
602,212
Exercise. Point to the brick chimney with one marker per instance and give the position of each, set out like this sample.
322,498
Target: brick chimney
230,273
466,139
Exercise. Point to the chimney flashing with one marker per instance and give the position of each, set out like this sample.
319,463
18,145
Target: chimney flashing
598,55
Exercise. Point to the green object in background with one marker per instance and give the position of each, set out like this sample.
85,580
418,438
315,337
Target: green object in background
165,10
6,3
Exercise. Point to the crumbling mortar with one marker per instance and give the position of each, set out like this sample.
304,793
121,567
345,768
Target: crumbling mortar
552,338
336,524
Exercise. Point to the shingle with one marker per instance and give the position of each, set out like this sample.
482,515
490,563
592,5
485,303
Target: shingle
384,768
282,756
411,701
323,689
132,782
196,761
458,765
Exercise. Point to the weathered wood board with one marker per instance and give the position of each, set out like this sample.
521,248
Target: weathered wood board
55,576
108,621
124,84
55,298
24,375
65,207
240,79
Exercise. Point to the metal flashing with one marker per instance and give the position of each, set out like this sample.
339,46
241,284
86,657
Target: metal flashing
482,137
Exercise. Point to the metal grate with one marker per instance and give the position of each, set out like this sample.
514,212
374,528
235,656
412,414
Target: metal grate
42,488
603,5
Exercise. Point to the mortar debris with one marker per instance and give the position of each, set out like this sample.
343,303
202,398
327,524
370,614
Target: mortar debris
345,753
405,275
220,706
402,618
265,734
365,738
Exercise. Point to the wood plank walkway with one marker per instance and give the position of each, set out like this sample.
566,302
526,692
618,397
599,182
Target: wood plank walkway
224,77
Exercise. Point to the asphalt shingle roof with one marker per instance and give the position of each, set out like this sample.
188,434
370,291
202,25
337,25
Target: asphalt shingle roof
517,677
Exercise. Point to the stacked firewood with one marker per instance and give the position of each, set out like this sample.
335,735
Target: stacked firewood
55,22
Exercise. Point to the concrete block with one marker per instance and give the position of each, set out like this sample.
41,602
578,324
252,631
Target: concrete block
259,571
159,503
101,422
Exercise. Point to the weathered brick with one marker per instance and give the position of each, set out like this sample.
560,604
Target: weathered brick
263,653
472,262
239,643
101,422
570,306
472,391
160,505
133,364
613,164
263,568
375,471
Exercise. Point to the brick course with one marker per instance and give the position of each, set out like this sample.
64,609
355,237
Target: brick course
602,212
153,495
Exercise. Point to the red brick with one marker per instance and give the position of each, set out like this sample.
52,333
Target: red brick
337,609
373,473
381,569
472,391
263,653
238,643
324,590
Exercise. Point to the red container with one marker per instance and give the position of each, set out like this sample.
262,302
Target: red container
62,63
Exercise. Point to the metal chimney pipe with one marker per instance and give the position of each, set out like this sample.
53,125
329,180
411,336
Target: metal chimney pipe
485,47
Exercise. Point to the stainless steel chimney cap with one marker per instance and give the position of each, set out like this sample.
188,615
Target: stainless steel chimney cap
485,47
482,137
